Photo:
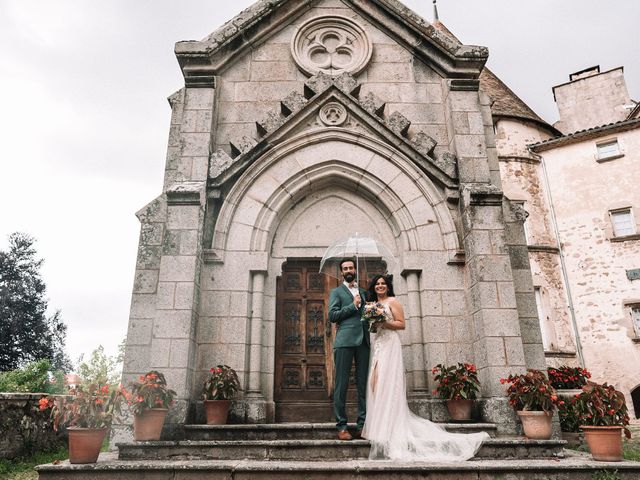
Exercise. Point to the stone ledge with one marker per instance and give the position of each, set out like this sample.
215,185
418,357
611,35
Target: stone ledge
575,465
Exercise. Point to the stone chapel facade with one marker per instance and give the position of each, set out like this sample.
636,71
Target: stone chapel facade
300,122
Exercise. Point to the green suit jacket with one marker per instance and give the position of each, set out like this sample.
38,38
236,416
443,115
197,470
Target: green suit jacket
352,331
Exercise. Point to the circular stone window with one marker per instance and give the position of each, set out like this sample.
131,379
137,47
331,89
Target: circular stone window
332,45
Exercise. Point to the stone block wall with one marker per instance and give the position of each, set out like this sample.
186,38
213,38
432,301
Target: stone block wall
24,429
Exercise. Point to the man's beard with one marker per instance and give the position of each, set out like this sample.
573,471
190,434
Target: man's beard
349,277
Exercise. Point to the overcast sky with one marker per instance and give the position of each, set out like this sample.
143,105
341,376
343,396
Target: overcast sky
84,117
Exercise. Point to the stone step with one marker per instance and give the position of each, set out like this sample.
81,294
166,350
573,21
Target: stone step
300,431
313,450
575,466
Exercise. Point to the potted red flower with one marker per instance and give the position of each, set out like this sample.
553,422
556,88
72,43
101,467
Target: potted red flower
150,400
458,385
603,416
534,399
568,381
219,387
87,414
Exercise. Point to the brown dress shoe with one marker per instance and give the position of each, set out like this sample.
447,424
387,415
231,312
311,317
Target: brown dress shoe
344,435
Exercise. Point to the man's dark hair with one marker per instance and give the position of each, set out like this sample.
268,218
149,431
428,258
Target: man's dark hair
347,259
372,296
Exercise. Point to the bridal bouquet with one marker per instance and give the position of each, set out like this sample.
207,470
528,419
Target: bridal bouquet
375,315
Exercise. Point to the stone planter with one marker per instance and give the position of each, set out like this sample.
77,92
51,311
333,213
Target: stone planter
217,411
85,444
536,425
460,410
568,393
148,425
605,443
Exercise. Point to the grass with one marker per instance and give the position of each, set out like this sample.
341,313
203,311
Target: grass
22,468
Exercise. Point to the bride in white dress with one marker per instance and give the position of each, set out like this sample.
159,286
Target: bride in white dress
394,431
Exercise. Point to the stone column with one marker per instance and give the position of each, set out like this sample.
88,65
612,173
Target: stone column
255,343
256,402
497,346
414,327
497,343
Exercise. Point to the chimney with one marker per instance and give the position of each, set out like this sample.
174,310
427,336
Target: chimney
591,99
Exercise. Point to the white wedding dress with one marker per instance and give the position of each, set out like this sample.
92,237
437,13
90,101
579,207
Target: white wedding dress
394,431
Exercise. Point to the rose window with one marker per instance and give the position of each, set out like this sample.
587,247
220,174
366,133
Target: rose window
332,45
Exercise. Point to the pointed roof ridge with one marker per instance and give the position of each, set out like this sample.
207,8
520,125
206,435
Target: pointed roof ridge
505,102
201,61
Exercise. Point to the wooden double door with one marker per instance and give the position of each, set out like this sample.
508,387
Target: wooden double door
304,354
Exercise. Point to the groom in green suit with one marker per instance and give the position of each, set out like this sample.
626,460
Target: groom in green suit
346,304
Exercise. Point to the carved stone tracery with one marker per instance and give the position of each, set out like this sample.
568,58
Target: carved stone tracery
331,44
333,114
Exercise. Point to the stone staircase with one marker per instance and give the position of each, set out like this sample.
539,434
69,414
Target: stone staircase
310,451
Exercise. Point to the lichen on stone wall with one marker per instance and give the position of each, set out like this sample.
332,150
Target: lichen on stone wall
24,429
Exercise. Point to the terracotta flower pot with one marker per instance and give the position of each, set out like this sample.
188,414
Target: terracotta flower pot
217,411
574,439
605,443
460,409
148,425
536,425
85,444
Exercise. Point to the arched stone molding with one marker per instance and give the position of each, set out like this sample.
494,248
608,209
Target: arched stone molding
297,235
310,161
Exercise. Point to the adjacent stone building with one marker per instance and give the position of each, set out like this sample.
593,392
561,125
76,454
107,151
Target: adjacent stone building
301,122
591,173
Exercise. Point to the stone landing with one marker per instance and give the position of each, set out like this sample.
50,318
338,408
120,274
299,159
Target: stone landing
574,466
310,452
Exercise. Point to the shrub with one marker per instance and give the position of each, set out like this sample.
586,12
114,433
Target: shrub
35,377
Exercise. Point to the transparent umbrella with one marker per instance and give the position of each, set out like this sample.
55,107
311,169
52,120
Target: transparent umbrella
372,257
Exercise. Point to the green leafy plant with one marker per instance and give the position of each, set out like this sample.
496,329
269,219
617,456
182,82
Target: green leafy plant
221,384
531,391
150,391
100,368
35,377
456,382
568,377
88,406
602,405
606,475
569,419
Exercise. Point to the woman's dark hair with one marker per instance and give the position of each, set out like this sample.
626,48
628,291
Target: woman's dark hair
371,292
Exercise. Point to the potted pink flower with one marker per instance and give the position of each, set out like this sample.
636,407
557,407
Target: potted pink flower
534,399
603,416
219,387
459,386
150,399
87,413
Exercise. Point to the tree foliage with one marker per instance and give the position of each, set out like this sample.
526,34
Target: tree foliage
100,369
27,334
35,377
